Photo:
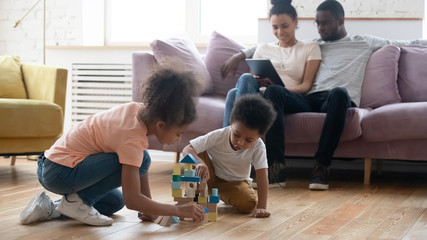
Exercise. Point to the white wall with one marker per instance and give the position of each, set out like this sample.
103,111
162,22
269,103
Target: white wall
402,29
63,27
367,8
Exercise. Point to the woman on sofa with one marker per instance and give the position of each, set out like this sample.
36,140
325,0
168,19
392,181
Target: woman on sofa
296,62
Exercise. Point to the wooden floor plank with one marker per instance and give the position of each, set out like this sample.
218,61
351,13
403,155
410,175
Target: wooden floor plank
392,207
418,230
397,224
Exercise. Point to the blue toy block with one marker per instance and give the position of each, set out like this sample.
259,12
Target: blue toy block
214,199
214,191
176,178
176,185
174,219
189,159
190,179
189,173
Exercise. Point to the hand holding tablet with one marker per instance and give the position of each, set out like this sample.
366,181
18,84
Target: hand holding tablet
265,69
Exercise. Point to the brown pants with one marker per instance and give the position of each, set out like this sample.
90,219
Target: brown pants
238,194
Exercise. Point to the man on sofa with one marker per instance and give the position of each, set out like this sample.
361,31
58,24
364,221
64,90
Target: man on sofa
337,87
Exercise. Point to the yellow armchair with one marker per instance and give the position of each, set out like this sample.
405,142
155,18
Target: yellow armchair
30,126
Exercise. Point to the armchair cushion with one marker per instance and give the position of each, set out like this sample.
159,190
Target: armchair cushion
24,118
186,53
11,84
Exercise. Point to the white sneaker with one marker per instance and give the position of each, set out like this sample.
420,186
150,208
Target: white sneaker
72,206
39,208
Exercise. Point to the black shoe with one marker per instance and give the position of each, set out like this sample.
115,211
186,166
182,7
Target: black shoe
319,179
276,175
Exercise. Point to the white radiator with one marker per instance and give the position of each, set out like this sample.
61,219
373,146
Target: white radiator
97,87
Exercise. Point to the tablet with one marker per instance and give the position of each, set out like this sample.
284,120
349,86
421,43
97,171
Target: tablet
265,69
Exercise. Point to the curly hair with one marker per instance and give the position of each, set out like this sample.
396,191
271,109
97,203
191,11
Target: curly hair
283,7
254,112
168,96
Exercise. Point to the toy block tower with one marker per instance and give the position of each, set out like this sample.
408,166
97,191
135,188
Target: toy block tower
194,190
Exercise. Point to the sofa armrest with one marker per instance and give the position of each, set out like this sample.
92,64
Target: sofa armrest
45,83
143,63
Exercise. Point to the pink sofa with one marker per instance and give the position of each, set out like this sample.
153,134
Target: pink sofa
391,123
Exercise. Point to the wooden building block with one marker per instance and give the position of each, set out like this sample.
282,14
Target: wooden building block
214,192
190,193
176,169
202,199
189,173
214,199
190,179
213,216
174,219
176,185
183,199
165,221
158,220
176,178
212,207
176,192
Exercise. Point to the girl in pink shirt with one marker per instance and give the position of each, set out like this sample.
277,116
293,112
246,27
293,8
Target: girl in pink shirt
88,164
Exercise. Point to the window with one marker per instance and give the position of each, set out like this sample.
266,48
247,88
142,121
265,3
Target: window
141,21
236,18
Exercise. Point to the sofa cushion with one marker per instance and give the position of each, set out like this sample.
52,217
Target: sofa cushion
180,52
210,111
220,48
412,80
381,77
24,118
307,127
400,121
11,84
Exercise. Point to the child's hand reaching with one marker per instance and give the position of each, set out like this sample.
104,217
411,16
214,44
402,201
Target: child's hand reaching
146,217
191,210
261,213
202,171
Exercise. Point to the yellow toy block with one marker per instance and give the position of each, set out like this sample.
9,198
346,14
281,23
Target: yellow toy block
213,216
177,192
188,166
177,169
202,199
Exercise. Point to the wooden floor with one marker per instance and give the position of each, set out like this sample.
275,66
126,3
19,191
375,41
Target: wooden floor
392,207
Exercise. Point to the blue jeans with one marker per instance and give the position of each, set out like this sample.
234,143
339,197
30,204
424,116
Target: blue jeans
96,179
334,103
246,84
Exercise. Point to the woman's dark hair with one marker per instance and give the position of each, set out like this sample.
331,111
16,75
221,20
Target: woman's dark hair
283,7
169,96
334,7
254,112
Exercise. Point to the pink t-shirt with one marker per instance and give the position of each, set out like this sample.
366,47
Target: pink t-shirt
117,130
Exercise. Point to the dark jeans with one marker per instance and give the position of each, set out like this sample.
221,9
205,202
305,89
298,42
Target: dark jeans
334,103
96,179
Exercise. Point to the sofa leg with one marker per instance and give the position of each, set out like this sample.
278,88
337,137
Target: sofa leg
177,157
368,166
12,161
